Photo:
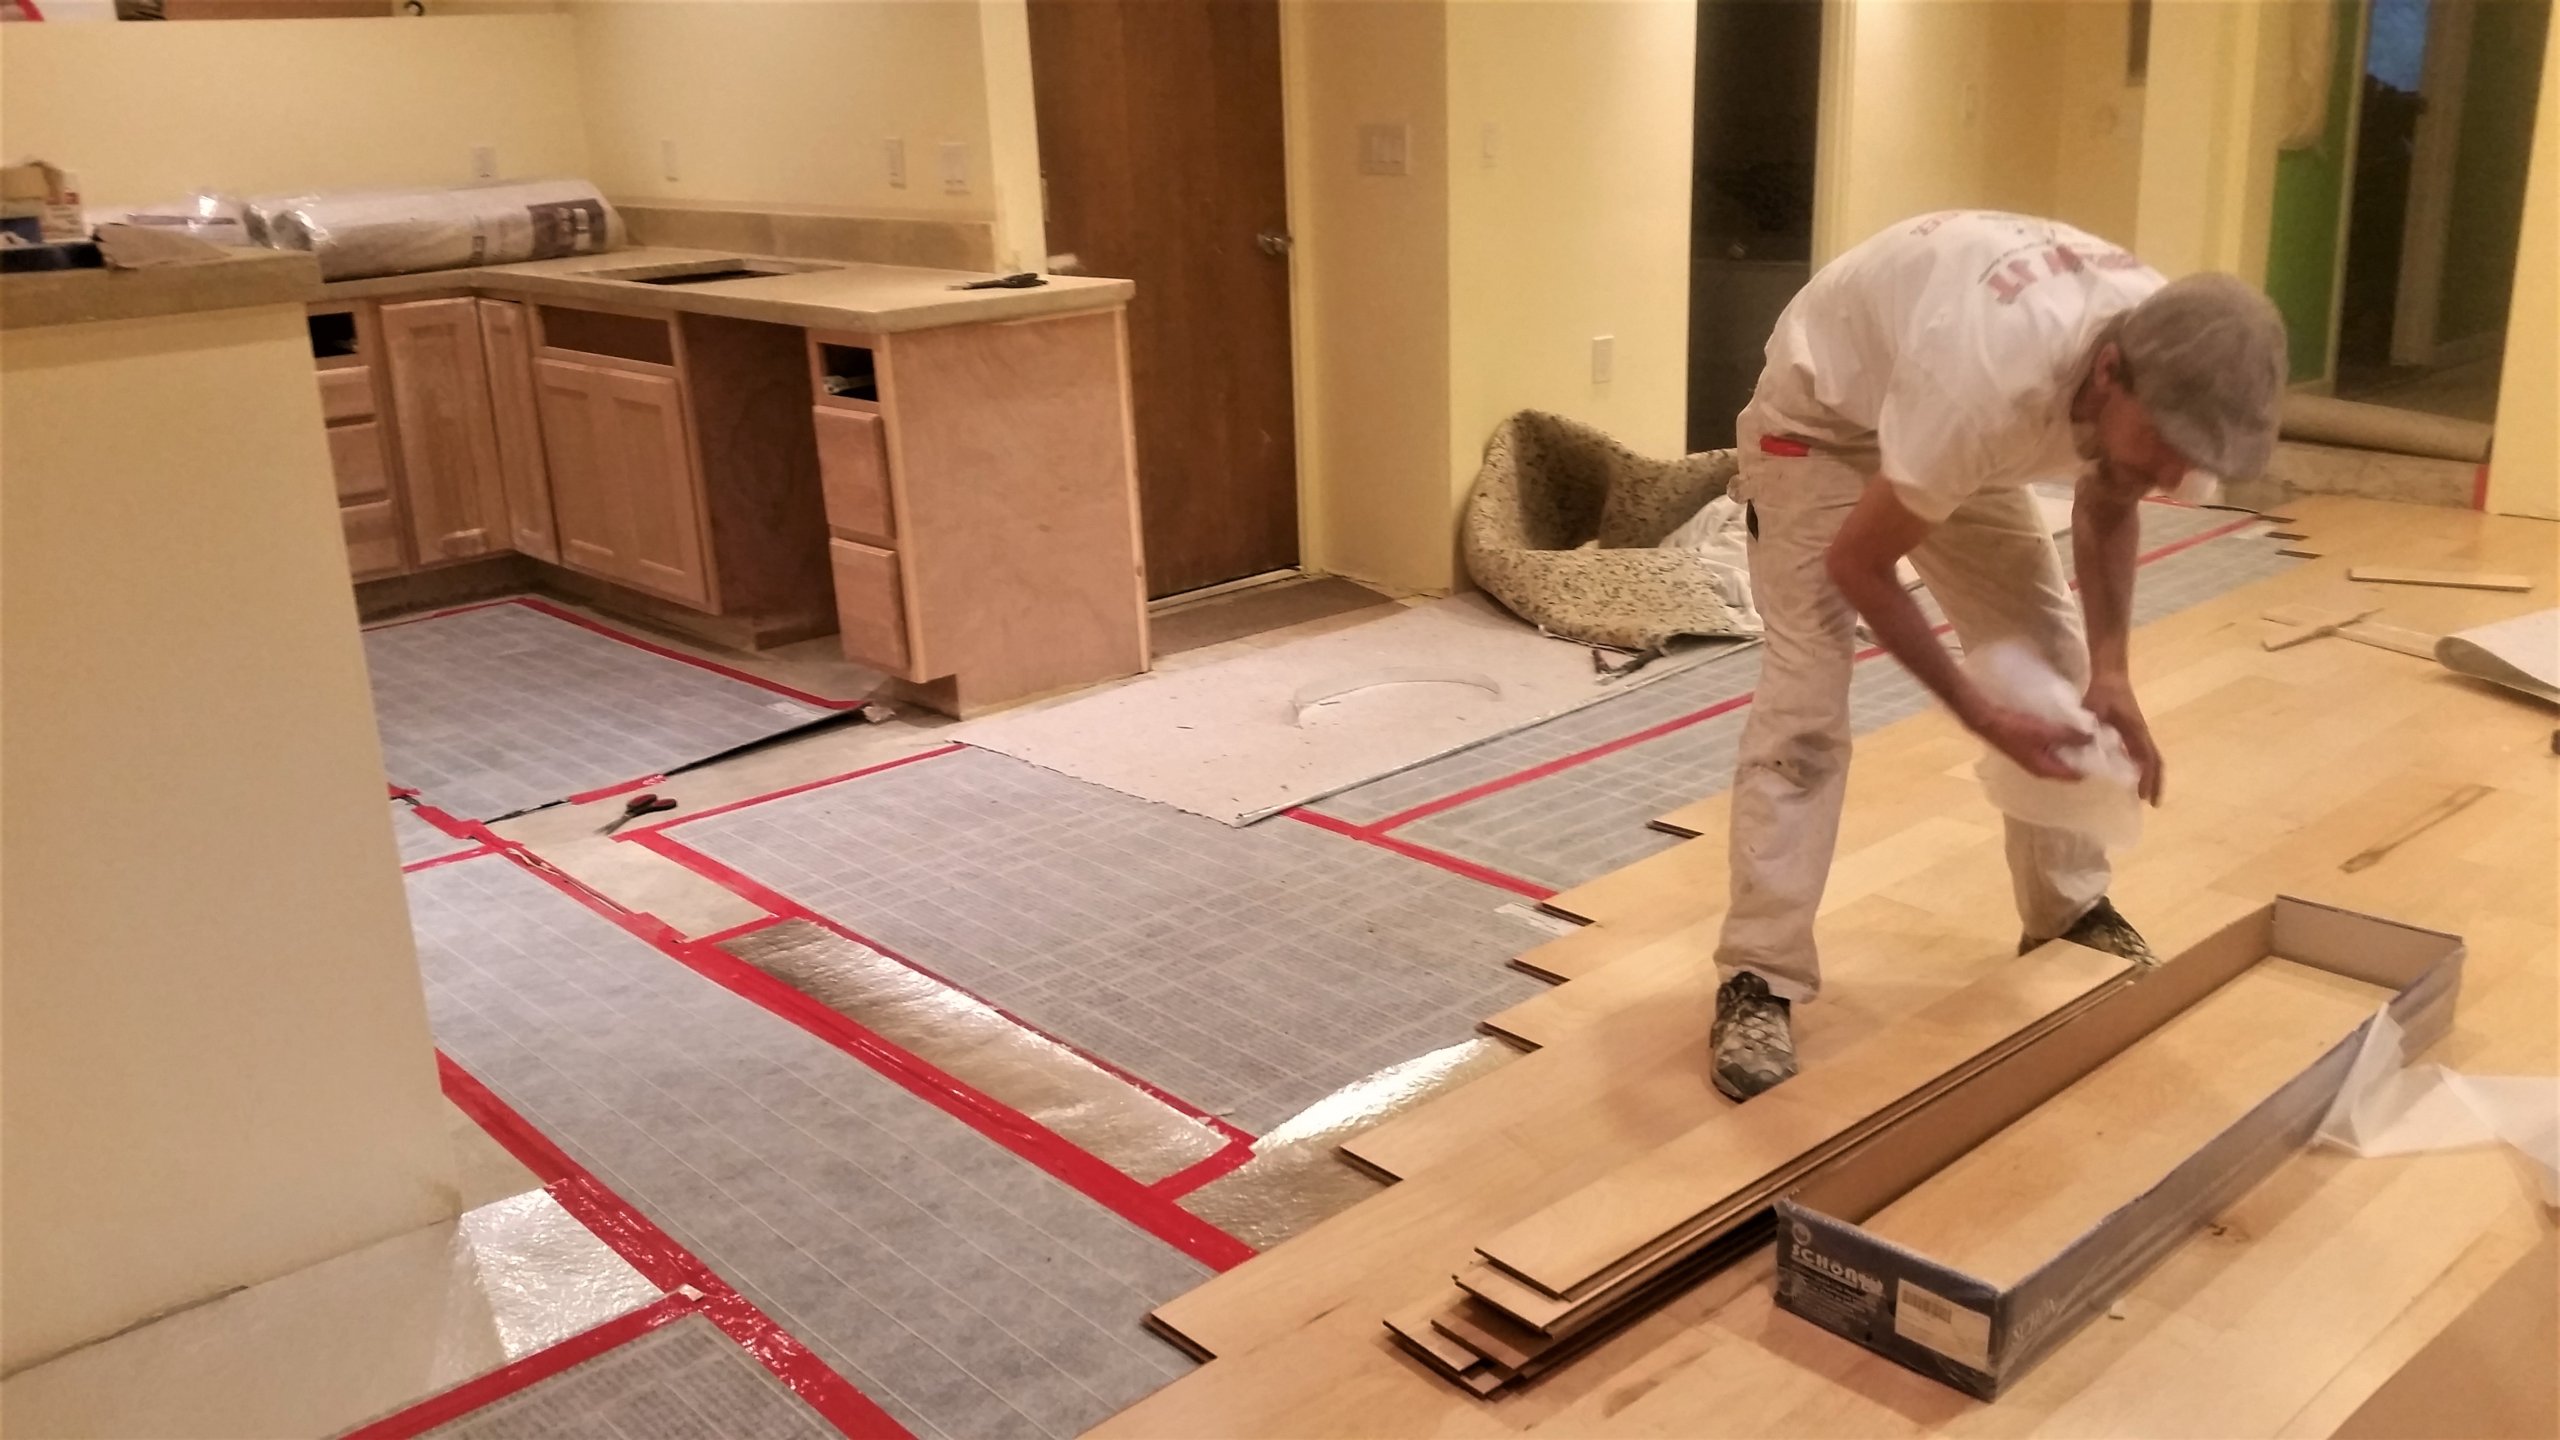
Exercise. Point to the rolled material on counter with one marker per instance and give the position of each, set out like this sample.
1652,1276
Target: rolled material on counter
399,232
2326,420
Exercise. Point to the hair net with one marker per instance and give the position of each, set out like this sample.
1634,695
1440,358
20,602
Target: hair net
2205,354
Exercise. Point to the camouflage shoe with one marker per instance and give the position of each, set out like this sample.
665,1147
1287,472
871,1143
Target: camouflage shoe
2103,928
1754,1046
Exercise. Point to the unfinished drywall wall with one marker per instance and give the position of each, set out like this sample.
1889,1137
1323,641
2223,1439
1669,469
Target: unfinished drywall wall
1370,278
146,113
2524,468
217,1062
1569,187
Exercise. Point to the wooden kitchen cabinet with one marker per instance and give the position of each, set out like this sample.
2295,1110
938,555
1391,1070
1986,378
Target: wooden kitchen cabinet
625,500
506,337
345,345
446,435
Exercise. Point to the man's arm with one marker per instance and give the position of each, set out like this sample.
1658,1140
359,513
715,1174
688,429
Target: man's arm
2106,531
1861,561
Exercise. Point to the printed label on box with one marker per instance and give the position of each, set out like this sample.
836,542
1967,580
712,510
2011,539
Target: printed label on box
1930,1319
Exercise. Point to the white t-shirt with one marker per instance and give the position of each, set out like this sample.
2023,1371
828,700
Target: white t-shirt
1952,344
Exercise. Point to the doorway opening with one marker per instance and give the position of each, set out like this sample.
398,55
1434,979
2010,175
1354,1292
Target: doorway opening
2446,98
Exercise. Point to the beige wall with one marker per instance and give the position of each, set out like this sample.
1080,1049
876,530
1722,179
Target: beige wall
1579,225
146,113
2097,159
786,102
2211,123
1941,104
2524,470
217,1065
1371,289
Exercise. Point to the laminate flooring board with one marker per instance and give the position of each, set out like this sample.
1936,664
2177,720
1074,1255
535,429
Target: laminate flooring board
2016,1200
1577,1240
1250,972
2281,766
2451,579
496,709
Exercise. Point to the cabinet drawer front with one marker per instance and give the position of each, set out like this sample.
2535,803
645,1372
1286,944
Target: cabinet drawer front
853,463
871,607
373,539
355,455
346,393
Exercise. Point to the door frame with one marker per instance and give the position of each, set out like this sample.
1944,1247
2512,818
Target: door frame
2427,221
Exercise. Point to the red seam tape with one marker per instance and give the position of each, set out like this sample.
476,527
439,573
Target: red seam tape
537,603
634,832
663,1262
521,1374
1424,853
990,1117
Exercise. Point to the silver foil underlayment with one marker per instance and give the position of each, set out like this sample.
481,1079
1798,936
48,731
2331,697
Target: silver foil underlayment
1089,1107
1295,1179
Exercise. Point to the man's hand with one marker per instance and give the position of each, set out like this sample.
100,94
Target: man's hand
2111,700
2034,742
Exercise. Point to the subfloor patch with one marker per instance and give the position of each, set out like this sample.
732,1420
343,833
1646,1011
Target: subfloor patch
684,1381
962,1289
501,708
1250,972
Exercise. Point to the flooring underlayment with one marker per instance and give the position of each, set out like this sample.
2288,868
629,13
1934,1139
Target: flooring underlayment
1228,740
497,709
1250,972
419,840
685,1381
965,1292
1587,820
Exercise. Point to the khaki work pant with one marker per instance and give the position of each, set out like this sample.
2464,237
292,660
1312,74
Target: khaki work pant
1993,569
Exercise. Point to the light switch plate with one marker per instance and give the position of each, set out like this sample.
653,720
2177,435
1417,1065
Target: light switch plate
1604,359
1384,149
894,151
955,167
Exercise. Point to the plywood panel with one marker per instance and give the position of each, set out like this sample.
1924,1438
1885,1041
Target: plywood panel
853,466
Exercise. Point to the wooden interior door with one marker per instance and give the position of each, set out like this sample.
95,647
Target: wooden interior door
652,476
1161,155
448,440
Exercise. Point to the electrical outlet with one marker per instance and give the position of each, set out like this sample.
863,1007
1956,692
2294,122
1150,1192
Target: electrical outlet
667,166
1492,145
955,167
894,149
484,162
1384,148
1604,359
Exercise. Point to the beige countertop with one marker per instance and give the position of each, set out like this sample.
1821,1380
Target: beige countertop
822,295
74,297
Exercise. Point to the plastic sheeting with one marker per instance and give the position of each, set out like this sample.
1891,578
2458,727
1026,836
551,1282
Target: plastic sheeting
2103,803
399,232
2522,654
2386,1109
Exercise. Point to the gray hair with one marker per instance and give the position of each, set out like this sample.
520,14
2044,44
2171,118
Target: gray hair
2205,354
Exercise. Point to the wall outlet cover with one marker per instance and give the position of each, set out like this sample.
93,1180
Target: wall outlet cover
955,167
484,162
894,151
1385,148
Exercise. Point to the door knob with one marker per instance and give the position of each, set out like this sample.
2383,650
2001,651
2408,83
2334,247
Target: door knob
1275,242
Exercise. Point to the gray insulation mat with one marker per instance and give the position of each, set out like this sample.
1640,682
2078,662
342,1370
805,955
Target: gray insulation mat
489,711
421,841
686,1381
1249,971
963,1290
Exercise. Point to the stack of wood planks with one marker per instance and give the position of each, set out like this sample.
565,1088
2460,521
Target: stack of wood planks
1569,1274
2285,766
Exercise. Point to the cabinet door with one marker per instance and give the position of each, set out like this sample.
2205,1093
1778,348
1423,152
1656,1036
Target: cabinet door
653,478
572,401
448,441
508,342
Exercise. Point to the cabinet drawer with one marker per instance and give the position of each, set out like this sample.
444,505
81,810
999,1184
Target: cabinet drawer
355,455
853,464
871,607
373,539
346,393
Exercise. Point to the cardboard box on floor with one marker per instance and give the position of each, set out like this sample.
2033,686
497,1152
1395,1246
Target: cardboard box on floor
1977,1336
